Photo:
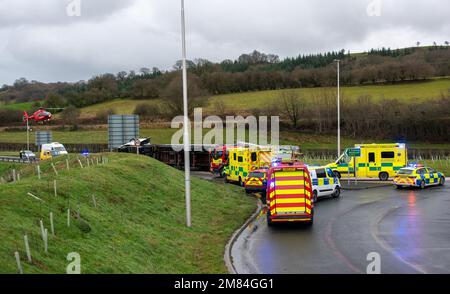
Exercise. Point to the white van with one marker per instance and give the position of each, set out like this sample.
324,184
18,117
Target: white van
52,150
324,182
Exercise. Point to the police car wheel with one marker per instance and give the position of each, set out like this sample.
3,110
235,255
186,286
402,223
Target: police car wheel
399,186
441,181
314,196
422,185
337,192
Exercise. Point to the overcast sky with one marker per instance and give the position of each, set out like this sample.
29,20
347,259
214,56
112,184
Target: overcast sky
40,41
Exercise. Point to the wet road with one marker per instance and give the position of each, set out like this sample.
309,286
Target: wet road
409,229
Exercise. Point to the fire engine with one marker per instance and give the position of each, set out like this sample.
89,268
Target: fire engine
289,194
219,159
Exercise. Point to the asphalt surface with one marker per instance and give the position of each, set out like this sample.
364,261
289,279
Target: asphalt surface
408,228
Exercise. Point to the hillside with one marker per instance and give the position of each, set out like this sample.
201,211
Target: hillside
406,92
138,225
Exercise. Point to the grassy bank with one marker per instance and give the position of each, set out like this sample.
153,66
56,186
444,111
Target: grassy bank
138,225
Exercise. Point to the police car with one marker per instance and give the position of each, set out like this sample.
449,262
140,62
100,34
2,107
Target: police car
256,181
418,176
325,182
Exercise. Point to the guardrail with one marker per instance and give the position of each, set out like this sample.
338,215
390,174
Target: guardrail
17,159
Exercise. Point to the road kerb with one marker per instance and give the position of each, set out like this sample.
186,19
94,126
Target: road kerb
227,257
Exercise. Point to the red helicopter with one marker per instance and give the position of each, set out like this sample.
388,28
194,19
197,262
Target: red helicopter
41,115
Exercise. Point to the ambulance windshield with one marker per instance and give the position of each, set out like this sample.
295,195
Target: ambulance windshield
343,159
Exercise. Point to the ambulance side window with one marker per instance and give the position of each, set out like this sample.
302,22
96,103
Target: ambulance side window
321,174
253,156
240,159
387,154
234,156
421,171
371,157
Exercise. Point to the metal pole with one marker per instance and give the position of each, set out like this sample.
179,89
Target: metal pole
28,135
338,110
186,136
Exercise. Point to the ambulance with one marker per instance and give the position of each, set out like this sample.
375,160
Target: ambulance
243,160
289,194
381,161
51,150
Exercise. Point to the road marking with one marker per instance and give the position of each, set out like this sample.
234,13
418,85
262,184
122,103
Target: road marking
374,232
336,251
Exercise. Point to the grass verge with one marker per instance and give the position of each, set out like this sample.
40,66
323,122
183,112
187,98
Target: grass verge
138,225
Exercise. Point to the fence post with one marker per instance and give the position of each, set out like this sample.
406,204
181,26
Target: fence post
46,241
93,200
52,227
19,266
54,169
27,247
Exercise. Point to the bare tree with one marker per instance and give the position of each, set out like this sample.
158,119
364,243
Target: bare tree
70,116
220,107
174,94
292,106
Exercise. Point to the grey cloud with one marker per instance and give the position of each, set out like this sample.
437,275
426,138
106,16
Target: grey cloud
40,42
53,12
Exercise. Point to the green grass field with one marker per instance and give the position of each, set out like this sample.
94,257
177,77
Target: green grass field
119,106
403,91
24,106
138,225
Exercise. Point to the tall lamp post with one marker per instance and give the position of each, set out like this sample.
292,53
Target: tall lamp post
338,109
186,127
28,135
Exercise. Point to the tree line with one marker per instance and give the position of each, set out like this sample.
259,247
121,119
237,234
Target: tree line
366,117
253,71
